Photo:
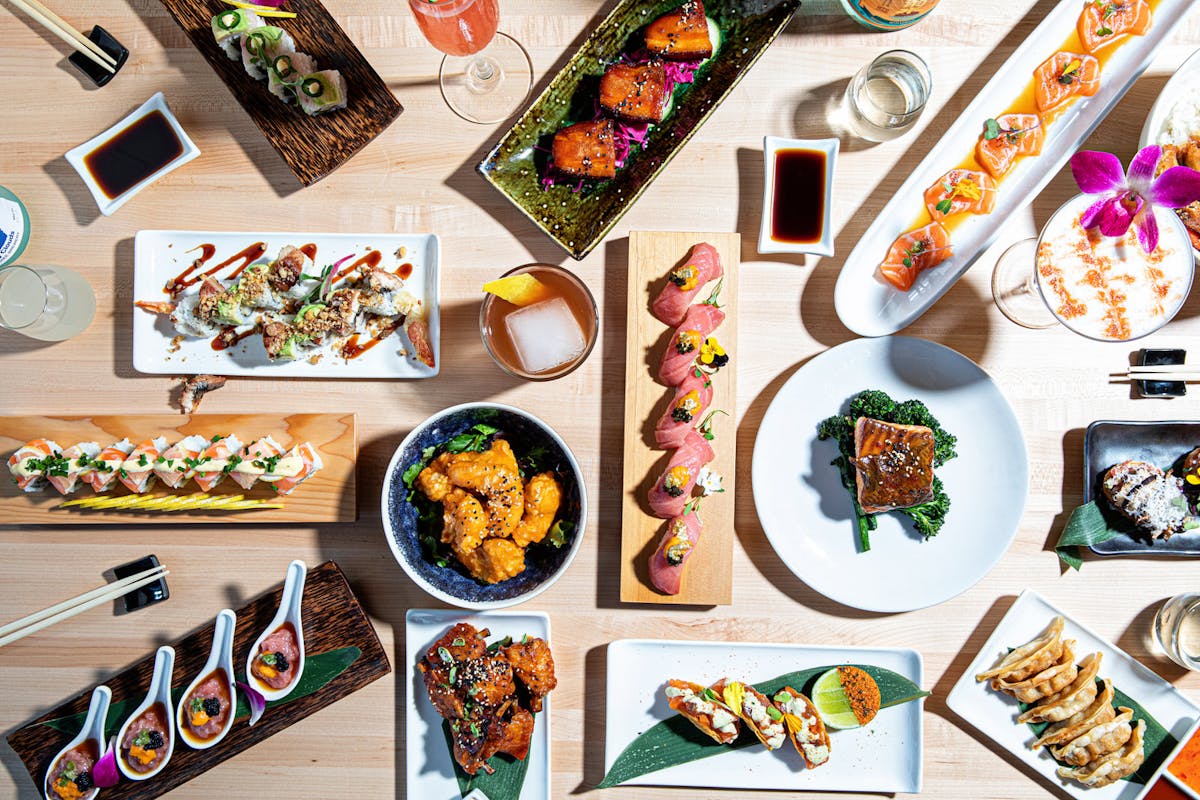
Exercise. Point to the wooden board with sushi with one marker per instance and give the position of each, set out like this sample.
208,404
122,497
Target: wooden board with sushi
677,521
322,448
343,655
312,142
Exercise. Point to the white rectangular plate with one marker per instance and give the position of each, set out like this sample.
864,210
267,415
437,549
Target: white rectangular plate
430,765
884,756
161,255
869,305
995,714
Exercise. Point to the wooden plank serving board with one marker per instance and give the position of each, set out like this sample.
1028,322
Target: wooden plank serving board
328,496
312,147
708,576
332,619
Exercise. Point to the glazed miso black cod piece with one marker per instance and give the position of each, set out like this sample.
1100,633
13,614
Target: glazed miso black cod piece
681,34
634,93
586,150
893,464
1148,497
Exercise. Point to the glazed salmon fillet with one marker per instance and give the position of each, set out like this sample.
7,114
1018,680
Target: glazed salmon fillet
1065,75
1016,135
914,252
961,191
586,150
1105,21
893,464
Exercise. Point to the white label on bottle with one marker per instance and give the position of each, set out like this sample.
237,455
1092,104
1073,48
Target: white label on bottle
12,229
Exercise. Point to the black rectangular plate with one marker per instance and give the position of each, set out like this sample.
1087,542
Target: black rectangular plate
1160,443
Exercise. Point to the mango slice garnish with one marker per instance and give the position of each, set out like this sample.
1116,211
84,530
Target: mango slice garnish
520,290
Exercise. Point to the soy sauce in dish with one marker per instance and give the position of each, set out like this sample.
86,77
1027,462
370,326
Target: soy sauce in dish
798,204
134,154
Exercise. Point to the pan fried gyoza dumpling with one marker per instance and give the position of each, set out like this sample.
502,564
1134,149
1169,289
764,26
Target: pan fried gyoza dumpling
1029,659
1071,700
1101,740
1100,711
1045,683
1112,767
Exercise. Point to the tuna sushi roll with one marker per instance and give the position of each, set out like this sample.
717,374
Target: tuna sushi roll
322,92
673,489
230,26
137,472
684,347
298,465
260,46
29,464
106,465
74,465
285,71
702,265
692,396
676,547
216,462
177,464
252,461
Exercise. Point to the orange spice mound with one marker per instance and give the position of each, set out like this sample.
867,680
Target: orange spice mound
862,692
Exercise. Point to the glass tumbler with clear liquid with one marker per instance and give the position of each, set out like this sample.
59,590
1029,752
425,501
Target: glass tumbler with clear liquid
887,96
44,302
1177,629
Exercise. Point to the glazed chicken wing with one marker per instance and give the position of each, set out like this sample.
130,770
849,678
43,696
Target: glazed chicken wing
533,666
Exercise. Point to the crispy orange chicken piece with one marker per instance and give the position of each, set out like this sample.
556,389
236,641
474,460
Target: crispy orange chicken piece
543,496
492,474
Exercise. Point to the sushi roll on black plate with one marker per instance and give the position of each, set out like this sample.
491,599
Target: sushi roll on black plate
230,26
285,72
322,92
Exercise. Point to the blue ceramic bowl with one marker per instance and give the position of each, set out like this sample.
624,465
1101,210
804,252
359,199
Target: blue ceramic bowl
544,563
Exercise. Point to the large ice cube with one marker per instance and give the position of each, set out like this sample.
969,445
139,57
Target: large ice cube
546,335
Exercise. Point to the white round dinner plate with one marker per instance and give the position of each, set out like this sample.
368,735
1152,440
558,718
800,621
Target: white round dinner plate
808,516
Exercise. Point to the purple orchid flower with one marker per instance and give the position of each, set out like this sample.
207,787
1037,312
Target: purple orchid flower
1131,197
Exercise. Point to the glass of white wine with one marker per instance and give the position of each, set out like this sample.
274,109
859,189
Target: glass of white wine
44,302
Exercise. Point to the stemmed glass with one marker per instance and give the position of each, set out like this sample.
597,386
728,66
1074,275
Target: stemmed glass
485,75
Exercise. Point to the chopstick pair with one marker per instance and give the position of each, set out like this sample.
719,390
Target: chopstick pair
77,605
1189,373
59,27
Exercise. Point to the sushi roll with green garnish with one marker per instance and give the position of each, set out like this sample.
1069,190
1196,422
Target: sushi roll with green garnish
321,92
230,26
260,46
285,71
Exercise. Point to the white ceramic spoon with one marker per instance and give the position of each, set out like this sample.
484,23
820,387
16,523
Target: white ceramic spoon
220,661
93,731
159,694
289,612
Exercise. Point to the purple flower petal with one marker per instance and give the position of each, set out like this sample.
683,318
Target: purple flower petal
1147,230
105,773
1088,219
1141,169
1115,218
1176,188
258,703
1097,172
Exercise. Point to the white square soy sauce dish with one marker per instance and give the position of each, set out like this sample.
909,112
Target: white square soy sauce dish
827,150
76,156
995,714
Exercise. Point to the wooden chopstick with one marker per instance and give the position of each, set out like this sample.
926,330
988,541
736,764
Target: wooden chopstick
77,605
68,34
1178,369
1185,377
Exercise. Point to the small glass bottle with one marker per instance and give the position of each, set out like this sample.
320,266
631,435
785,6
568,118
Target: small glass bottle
888,15
14,227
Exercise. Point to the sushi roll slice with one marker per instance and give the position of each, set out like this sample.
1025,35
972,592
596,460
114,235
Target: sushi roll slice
106,464
230,26
217,461
704,708
29,464
383,294
252,461
762,718
285,71
253,290
78,457
260,45
677,545
177,464
293,274
322,92
137,472
298,465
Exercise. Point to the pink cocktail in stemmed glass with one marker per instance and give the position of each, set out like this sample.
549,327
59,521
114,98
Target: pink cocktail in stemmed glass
486,75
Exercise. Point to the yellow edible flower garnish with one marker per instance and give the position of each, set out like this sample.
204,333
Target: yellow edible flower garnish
1192,478
966,188
735,695
710,350
793,723
1072,67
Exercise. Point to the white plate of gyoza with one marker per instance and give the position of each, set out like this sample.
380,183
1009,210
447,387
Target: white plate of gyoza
1074,707
286,304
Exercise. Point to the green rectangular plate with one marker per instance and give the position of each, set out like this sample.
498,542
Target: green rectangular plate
580,220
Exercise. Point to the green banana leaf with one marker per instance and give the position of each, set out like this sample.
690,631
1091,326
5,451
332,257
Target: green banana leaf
676,741
1086,526
503,784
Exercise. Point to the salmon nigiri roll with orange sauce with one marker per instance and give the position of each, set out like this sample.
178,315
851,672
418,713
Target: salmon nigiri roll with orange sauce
1007,138
137,471
961,191
252,461
216,461
915,252
75,465
28,465
106,464
294,468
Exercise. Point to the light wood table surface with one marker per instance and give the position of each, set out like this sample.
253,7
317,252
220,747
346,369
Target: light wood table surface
419,177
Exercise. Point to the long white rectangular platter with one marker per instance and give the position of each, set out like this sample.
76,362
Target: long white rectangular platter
159,256
884,756
995,713
869,305
430,765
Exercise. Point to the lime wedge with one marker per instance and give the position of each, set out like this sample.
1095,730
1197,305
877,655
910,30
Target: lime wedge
520,290
832,703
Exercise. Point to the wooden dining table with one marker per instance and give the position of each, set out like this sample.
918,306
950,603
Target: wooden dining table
419,177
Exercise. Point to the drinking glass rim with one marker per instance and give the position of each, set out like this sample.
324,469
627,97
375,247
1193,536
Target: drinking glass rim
45,295
920,64
591,336
1176,223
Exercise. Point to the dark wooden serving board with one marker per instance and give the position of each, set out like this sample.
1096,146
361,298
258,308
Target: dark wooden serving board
332,619
313,147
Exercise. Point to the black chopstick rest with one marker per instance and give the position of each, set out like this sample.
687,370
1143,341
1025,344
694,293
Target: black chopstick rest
149,594
106,42
1160,357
